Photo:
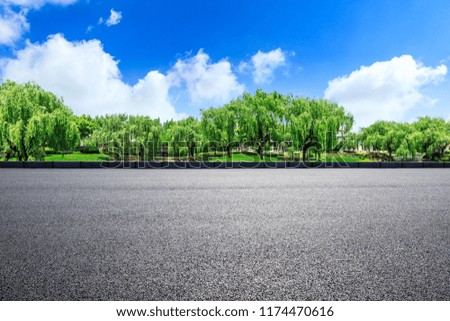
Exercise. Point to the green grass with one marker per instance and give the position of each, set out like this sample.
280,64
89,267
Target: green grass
237,157
255,158
242,158
344,158
74,157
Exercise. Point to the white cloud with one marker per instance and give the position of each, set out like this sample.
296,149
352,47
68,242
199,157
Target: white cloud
244,67
12,26
89,79
114,18
90,82
265,63
205,80
13,20
385,90
36,4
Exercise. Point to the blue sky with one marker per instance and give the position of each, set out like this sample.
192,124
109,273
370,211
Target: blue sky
171,58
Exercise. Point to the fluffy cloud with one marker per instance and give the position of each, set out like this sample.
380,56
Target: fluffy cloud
12,26
385,90
13,21
114,18
263,65
205,80
36,4
89,79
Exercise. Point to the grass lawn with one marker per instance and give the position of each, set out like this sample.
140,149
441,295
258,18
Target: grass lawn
255,158
242,158
74,157
237,157
347,159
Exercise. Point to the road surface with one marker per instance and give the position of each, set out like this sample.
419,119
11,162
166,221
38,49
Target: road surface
286,234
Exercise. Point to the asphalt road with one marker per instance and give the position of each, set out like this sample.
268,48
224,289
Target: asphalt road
287,234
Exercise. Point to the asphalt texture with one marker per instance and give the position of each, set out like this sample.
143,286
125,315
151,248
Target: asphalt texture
286,234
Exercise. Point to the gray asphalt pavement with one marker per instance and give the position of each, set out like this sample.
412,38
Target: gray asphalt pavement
287,234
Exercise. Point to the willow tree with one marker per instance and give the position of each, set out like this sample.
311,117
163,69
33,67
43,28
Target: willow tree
352,142
230,116
264,118
372,137
427,136
144,134
406,146
85,126
316,123
124,137
212,126
432,137
185,133
62,131
154,138
384,135
219,125
260,117
32,119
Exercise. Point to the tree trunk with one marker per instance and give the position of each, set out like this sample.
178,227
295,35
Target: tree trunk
25,154
191,151
304,150
140,154
260,150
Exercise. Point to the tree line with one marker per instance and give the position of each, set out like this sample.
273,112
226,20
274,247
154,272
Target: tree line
34,122
427,138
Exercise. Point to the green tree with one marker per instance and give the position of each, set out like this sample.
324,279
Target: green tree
317,123
407,146
212,126
32,119
432,137
85,126
185,133
260,116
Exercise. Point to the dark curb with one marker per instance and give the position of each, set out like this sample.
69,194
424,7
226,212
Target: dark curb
433,165
66,164
224,165
11,164
391,165
412,165
370,165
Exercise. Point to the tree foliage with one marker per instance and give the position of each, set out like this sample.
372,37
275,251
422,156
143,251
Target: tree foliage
32,119
428,137
264,119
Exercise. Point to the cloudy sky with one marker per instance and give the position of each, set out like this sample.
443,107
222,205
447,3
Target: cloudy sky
379,59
